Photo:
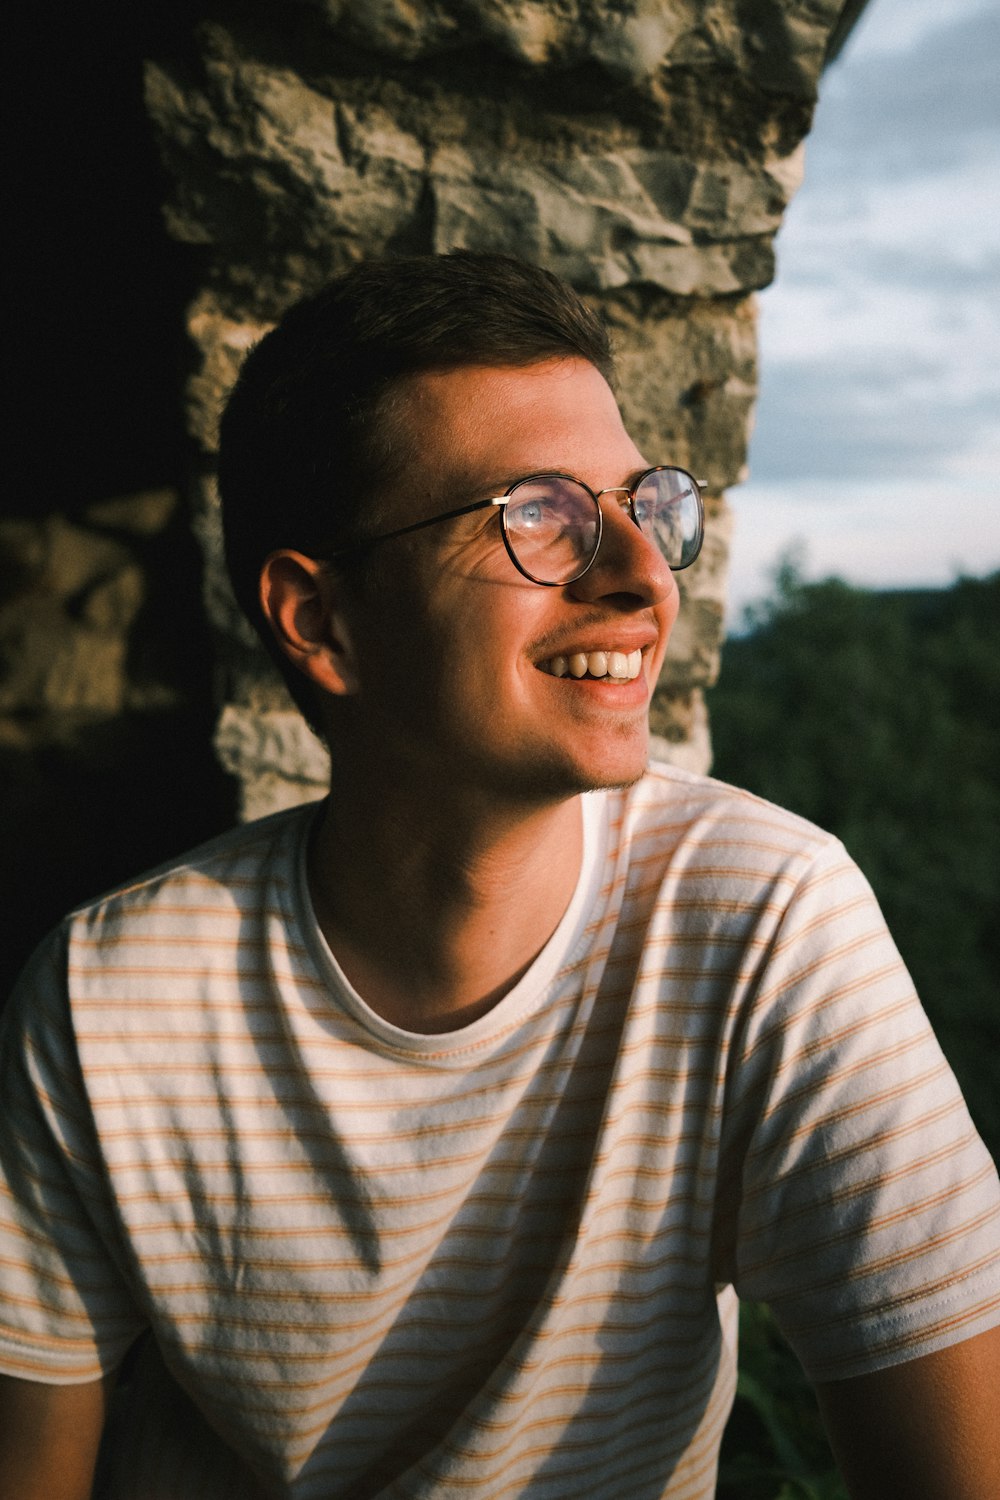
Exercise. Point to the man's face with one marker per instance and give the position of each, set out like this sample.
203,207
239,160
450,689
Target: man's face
454,646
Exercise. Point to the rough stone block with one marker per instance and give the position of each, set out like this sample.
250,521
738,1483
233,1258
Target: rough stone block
782,41
687,380
260,161
615,220
112,604
237,636
72,600
51,663
220,344
679,731
76,559
274,755
144,514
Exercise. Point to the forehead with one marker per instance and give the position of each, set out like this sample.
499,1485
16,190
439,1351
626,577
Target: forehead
476,426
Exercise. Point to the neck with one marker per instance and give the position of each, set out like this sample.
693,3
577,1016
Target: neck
434,918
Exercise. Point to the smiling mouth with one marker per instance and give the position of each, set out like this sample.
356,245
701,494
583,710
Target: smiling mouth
613,666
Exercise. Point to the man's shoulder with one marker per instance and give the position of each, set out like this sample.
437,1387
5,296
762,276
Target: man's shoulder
679,819
172,942
223,874
672,797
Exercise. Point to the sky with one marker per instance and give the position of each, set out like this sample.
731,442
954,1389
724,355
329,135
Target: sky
876,447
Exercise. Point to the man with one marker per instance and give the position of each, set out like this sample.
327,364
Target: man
413,1145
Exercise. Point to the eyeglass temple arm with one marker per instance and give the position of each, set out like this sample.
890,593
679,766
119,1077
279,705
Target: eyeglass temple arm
385,536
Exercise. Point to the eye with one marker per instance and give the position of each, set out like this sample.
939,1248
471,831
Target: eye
530,515
551,511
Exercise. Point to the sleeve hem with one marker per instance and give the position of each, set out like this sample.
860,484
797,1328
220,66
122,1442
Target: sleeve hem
52,1361
947,1320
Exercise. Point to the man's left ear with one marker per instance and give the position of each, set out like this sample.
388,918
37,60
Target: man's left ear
301,600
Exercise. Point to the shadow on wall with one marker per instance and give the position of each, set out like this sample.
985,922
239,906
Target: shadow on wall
105,664
106,764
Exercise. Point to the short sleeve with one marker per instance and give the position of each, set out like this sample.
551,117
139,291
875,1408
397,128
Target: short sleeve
66,1314
868,1208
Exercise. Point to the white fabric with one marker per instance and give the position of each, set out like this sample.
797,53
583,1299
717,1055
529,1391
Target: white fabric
500,1261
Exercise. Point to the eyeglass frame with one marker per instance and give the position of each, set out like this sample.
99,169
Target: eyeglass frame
629,491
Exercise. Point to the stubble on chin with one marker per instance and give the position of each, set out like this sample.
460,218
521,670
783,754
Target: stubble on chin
570,780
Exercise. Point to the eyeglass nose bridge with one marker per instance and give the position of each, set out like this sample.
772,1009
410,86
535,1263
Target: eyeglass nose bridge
626,502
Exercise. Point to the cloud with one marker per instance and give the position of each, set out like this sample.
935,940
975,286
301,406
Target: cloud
917,269
897,25
872,418
918,110
952,217
879,339
877,443
884,310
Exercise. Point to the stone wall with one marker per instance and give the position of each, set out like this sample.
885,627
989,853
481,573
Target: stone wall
645,149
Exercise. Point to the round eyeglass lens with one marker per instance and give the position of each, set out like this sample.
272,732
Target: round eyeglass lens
552,526
669,511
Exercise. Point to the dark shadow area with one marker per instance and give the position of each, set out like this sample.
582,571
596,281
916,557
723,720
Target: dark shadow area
774,1446
93,330
92,318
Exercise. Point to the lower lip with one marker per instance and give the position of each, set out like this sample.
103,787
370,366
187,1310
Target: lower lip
606,689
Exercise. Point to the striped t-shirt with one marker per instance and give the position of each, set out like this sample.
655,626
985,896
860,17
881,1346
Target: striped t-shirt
500,1261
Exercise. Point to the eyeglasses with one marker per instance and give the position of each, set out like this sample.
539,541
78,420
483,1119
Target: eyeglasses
552,524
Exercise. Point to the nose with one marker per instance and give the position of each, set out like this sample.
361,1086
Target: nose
627,564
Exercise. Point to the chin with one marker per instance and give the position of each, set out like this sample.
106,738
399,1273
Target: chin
607,770
620,763
612,780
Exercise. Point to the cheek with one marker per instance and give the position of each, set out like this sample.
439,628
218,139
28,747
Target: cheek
420,660
451,640
388,643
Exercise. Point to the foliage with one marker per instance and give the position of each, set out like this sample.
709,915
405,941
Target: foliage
876,715
774,1447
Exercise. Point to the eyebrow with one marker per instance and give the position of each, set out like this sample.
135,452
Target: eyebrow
560,471
500,486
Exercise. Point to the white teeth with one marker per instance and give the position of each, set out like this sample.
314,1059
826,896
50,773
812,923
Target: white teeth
620,666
